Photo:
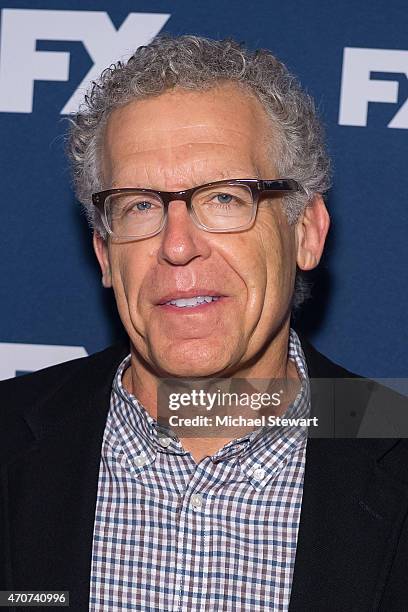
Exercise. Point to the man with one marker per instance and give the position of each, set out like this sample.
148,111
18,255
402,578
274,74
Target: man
201,166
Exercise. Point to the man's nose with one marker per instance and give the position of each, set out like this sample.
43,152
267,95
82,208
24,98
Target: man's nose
182,240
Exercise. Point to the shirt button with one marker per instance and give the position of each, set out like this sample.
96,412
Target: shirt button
259,474
253,468
196,501
164,442
140,460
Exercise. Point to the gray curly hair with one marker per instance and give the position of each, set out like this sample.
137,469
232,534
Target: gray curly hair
197,63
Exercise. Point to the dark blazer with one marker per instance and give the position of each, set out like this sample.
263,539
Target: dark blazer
352,552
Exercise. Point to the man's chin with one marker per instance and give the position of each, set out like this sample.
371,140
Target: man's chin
189,372
187,363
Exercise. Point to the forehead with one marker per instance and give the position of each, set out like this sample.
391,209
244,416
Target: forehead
180,129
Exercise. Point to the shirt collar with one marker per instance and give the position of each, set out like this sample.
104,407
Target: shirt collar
140,436
267,450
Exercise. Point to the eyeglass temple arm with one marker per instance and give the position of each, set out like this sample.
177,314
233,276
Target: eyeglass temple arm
280,185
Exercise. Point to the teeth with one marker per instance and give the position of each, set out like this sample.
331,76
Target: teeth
194,301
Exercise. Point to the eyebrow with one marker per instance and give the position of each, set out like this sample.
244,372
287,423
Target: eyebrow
219,176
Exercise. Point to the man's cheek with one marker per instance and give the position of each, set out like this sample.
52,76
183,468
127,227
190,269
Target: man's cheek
124,277
123,287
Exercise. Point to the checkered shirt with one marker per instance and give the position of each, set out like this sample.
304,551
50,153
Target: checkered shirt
174,535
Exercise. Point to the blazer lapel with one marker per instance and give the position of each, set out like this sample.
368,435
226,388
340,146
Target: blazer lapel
52,486
354,504
352,513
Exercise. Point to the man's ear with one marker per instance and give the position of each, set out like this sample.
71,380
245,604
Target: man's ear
311,231
102,254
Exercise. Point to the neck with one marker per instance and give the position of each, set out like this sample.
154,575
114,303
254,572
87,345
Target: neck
142,382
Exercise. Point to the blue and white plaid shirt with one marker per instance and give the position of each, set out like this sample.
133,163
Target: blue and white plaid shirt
174,535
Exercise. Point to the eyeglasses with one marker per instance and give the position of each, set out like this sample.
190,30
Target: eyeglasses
222,206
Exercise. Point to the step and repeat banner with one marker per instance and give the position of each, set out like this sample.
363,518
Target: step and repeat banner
351,56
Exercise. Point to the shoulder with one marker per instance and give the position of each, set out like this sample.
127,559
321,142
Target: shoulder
360,407
23,392
320,366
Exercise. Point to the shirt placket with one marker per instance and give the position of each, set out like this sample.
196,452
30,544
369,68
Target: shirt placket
192,543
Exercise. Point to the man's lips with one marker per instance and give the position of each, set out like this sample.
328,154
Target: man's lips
179,295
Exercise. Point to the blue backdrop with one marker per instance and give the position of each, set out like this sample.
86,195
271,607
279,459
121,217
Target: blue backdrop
351,56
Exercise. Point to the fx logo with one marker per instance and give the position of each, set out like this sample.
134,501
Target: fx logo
16,358
358,88
21,64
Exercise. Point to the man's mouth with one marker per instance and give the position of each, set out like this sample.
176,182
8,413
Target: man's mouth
192,302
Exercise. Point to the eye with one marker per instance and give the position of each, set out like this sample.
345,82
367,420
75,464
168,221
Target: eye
144,205
224,198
